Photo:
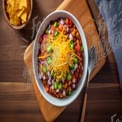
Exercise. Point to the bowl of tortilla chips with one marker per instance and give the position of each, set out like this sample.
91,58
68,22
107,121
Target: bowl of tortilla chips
17,12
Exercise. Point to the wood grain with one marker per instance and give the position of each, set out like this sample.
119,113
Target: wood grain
103,102
17,103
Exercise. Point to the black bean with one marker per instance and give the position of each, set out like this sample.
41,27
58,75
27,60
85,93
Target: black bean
51,22
74,39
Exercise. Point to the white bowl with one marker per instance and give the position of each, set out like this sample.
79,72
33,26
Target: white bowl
57,101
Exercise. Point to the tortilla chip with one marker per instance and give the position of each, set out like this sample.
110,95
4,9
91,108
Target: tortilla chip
24,16
18,11
22,3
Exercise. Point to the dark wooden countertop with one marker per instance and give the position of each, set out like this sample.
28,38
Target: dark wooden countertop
17,99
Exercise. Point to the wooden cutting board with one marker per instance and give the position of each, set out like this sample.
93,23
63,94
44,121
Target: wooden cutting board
80,10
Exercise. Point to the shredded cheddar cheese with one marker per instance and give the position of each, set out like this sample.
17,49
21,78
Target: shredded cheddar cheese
62,56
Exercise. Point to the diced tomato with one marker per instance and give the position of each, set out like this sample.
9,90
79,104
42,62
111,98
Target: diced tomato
60,27
53,28
46,88
67,21
69,82
73,76
70,22
77,47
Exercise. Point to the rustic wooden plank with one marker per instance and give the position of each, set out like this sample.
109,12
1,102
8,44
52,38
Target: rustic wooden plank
103,102
11,71
18,103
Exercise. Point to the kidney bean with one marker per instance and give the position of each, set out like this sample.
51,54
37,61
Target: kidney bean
69,83
44,82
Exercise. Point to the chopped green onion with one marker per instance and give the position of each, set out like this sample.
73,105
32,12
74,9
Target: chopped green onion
55,85
47,31
44,69
49,49
59,85
56,33
55,24
52,74
72,66
69,76
82,48
75,60
49,60
69,93
71,44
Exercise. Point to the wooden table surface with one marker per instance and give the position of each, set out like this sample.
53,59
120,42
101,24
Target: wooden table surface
17,99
